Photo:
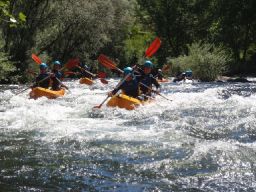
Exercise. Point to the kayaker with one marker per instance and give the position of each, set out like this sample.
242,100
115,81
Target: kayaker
159,74
56,76
85,71
183,76
147,79
130,86
189,74
179,77
42,80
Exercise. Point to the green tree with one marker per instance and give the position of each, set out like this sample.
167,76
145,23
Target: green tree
207,61
234,25
231,23
61,29
7,16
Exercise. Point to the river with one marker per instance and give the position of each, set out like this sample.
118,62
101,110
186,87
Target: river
203,140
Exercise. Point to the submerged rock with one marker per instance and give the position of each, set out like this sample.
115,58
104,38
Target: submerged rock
239,79
223,79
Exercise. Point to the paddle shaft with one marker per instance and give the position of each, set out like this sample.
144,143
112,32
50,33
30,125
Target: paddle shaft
62,83
141,70
22,91
44,80
155,91
104,81
94,75
145,86
99,106
30,86
118,85
50,76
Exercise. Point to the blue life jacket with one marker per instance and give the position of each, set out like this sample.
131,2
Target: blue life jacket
45,83
55,83
189,73
148,80
130,88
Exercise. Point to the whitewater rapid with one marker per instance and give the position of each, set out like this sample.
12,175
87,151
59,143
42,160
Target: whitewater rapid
204,139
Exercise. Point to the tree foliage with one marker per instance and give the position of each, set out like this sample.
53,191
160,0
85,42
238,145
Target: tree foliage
63,29
6,68
122,29
205,60
230,23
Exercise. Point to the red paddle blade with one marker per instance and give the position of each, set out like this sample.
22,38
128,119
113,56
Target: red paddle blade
36,59
105,61
102,75
153,47
69,73
72,63
104,81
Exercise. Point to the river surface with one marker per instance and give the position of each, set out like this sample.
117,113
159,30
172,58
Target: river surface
204,140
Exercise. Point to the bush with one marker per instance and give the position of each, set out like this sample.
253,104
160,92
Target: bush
207,61
6,68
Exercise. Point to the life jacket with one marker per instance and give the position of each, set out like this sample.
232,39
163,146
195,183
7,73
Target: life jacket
148,80
129,88
55,83
45,83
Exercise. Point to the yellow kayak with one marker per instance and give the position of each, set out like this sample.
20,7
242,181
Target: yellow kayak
86,80
42,92
124,101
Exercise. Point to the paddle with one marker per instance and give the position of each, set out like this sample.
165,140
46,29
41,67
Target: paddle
101,76
36,59
62,84
66,73
119,84
34,74
152,49
155,91
69,65
105,61
111,65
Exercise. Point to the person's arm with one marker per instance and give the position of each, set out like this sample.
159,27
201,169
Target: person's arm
116,90
155,82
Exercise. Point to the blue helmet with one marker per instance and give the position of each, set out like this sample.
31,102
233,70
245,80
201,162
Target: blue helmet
127,70
189,73
43,66
56,62
148,64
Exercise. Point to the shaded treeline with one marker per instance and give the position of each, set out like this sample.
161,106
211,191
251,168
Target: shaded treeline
230,23
122,29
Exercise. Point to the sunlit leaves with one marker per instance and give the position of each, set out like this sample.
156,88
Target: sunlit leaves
22,17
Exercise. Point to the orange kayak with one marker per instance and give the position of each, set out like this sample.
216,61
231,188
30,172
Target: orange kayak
163,80
42,92
86,80
126,102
